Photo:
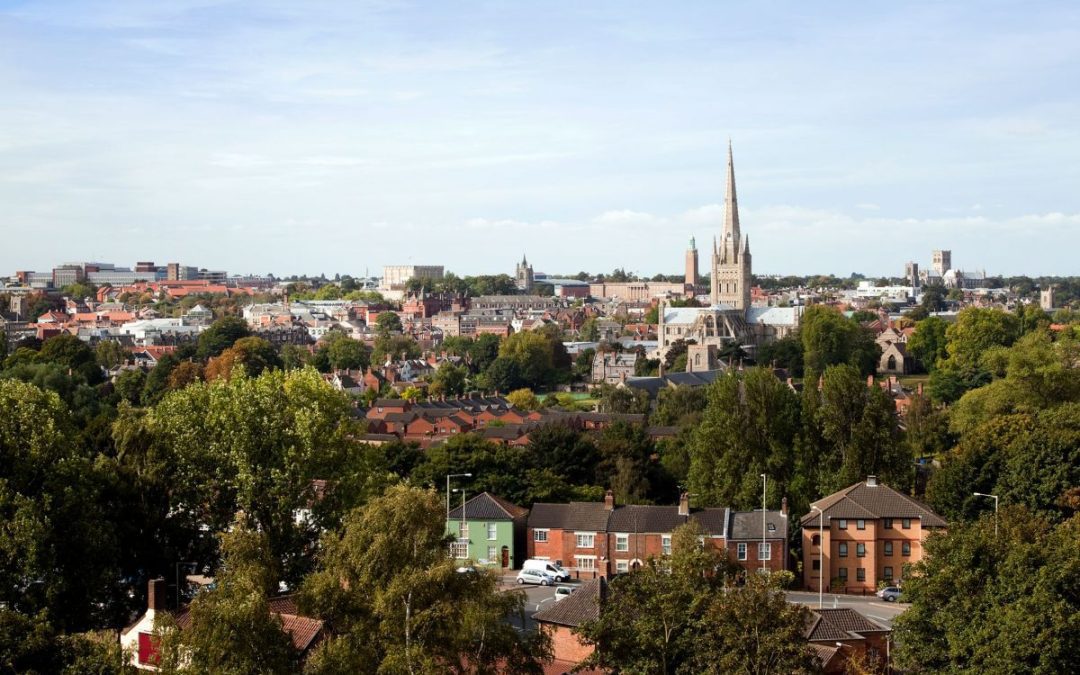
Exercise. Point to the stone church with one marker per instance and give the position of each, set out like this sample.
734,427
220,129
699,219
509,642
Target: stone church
730,317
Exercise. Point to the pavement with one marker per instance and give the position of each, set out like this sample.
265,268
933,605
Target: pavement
869,606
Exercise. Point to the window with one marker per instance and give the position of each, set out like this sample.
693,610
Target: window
815,540
764,551
772,528
905,548
493,554
463,531
842,573
842,524
816,566
540,535
742,551
860,574
665,543
887,523
860,524
622,566
493,531
860,550
843,550
622,542
906,523
888,548
148,649
586,539
459,550
887,574
586,562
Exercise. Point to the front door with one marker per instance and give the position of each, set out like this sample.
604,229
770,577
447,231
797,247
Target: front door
505,557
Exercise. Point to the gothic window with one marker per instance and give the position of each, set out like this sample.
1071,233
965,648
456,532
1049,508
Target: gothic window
892,362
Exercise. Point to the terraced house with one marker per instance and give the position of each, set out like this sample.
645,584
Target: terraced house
869,534
600,538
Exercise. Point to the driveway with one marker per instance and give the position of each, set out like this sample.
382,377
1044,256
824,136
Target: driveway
869,606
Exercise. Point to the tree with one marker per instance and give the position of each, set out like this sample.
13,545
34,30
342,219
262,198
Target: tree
523,399
388,322
221,335
129,385
787,353
254,354
983,602
184,374
232,630
534,356
622,400
449,380
110,354
346,353
72,353
393,347
681,405
397,601
976,330
829,338
928,343
590,330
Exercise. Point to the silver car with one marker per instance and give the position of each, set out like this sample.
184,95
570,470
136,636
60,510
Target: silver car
889,594
534,577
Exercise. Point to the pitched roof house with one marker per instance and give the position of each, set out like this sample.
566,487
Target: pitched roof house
559,619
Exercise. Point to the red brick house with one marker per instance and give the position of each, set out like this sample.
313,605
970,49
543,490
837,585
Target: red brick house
839,636
600,538
560,619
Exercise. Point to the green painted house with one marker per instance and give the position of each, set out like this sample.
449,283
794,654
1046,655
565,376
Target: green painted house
491,533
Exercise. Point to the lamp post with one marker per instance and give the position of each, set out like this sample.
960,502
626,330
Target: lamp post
820,552
462,527
995,498
763,525
448,477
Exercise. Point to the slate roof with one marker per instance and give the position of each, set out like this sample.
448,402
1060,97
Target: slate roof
830,625
584,516
582,605
747,525
872,501
486,506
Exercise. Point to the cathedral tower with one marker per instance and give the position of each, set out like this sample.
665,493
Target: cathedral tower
731,257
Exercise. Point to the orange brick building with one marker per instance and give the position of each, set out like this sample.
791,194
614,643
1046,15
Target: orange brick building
870,533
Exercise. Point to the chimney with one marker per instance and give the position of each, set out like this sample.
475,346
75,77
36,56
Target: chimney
783,507
684,504
871,481
609,501
155,595
919,389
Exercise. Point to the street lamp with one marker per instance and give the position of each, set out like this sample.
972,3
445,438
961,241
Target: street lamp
462,527
448,477
995,498
820,552
763,526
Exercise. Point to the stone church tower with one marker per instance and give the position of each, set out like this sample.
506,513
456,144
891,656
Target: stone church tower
523,274
731,258
691,265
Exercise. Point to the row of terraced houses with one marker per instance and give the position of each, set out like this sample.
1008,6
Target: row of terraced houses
870,534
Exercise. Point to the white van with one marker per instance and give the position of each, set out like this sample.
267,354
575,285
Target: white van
547,566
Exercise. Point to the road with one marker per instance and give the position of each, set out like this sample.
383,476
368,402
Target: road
536,598
871,606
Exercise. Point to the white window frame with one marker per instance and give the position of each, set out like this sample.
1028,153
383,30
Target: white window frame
622,566
540,535
764,550
665,543
492,554
585,562
492,531
459,550
463,530
741,551
580,537
622,543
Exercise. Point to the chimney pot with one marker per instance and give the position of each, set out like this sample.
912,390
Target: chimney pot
783,506
684,504
609,500
871,481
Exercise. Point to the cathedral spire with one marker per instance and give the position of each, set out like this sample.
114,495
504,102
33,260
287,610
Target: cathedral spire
731,205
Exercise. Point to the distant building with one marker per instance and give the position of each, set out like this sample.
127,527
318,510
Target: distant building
395,277
1047,299
614,367
942,262
911,273
691,279
523,274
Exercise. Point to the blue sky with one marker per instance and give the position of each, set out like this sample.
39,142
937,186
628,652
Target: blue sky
308,137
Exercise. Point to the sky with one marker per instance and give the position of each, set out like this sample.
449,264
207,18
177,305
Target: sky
337,137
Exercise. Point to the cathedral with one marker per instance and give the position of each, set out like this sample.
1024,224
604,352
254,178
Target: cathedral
730,317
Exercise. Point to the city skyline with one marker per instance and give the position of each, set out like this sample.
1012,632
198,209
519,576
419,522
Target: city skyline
264,138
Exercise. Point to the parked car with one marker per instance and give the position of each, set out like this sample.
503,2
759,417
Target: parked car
535,577
889,594
563,592
551,568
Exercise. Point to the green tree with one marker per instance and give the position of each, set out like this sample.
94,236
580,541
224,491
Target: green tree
110,354
232,630
449,380
396,600
394,347
977,330
534,356
346,353
523,399
221,335
72,353
388,322
928,343
590,330
681,405
254,354
994,603
129,385
829,338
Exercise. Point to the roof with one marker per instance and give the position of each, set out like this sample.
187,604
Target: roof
870,501
582,605
585,516
747,525
773,316
830,625
486,506
302,630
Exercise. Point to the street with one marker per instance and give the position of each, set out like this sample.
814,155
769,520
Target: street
869,606
536,598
